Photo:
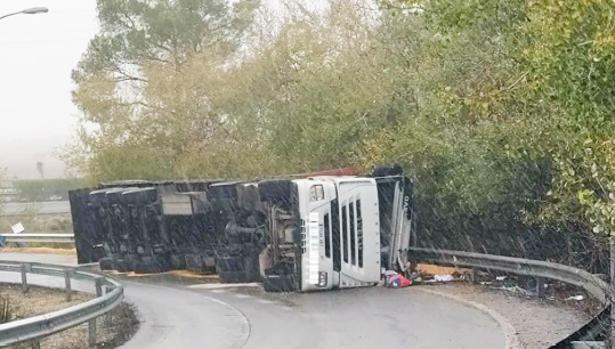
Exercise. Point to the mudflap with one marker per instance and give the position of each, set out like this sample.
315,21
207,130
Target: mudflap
280,278
280,283
237,269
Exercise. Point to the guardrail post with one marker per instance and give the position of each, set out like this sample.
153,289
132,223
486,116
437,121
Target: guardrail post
611,336
67,283
108,320
474,276
36,344
540,287
92,332
99,284
25,268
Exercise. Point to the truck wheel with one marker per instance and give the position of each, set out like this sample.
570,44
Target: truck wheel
178,261
106,263
121,265
148,265
140,267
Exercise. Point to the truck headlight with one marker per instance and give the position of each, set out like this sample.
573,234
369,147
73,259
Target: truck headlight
322,278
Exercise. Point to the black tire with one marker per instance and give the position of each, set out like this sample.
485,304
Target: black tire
141,267
194,262
177,261
106,263
149,265
121,265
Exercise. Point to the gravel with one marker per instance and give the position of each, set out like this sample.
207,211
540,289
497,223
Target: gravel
537,324
40,300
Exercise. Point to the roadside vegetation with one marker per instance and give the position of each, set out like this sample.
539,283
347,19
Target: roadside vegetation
501,110
6,313
35,190
41,300
34,222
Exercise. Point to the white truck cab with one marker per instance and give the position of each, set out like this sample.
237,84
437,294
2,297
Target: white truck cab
341,242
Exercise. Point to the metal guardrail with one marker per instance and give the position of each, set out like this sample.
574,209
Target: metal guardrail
26,238
109,294
596,287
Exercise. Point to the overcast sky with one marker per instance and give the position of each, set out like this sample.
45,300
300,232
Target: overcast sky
37,54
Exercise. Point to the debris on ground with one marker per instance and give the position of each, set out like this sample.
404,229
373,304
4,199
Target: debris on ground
392,279
515,290
433,269
578,297
443,278
538,323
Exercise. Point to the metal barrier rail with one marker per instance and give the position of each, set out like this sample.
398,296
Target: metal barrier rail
109,294
38,238
595,286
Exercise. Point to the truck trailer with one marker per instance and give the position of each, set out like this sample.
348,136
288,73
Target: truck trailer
300,233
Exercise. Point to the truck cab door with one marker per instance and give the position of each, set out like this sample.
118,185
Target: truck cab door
395,196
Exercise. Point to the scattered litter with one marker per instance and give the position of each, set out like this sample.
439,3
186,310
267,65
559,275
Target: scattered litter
516,289
443,278
18,228
393,279
500,278
579,297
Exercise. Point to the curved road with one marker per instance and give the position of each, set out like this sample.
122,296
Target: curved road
176,315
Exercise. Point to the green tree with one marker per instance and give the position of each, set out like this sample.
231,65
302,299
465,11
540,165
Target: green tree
142,103
501,110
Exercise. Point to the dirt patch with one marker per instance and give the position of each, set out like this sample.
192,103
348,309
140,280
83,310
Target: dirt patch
538,323
440,270
175,277
47,250
40,300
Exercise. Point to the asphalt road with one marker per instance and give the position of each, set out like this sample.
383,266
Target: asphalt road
44,207
175,315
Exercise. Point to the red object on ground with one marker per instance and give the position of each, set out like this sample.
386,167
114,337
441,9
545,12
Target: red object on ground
397,281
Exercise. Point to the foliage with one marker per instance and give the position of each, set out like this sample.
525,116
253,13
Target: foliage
45,189
6,314
501,110
144,84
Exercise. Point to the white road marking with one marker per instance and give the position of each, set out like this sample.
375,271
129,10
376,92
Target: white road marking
264,301
221,286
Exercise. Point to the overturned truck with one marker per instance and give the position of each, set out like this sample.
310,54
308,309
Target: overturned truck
301,233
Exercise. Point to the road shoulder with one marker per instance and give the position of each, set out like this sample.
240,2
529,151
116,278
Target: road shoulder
526,322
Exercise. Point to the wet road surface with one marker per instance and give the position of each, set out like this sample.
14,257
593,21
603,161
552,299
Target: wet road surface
175,315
